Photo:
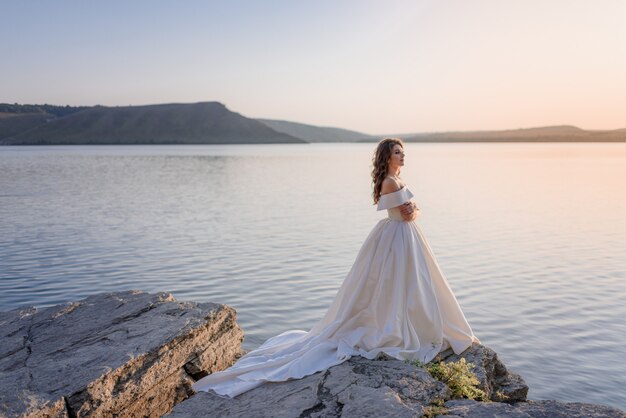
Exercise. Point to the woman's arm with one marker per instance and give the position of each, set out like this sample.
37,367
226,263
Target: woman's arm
409,211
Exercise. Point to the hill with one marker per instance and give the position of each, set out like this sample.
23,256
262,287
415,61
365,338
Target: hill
12,124
213,123
196,123
52,110
313,133
563,133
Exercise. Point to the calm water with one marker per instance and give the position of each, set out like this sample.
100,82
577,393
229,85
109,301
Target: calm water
532,238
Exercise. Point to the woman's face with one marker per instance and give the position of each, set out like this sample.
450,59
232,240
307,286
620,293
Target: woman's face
397,156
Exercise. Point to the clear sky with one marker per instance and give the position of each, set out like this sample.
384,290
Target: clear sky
374,66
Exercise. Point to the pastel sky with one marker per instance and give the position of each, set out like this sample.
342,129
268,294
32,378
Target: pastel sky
378,67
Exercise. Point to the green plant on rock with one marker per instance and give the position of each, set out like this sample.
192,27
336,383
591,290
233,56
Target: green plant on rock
416,363
459,378
501,396
436,407
431,411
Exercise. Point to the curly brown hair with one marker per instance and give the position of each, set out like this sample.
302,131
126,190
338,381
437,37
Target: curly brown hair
380,161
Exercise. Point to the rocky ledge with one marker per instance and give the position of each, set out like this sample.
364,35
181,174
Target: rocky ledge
134,354
386,387
126,354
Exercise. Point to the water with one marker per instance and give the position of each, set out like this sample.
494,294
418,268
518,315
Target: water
532,238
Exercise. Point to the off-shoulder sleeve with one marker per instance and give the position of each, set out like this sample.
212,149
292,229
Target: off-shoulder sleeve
391,200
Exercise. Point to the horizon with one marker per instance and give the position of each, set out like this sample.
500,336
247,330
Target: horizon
318,126
445,66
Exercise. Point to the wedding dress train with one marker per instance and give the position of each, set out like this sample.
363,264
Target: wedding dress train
395,300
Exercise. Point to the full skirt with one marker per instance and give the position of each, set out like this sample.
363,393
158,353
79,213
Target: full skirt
395,300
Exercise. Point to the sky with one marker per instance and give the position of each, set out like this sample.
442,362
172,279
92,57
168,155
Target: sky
378,67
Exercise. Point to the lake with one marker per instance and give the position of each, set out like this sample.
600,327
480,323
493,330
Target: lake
532,238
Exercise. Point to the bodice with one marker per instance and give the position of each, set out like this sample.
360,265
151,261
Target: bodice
391,201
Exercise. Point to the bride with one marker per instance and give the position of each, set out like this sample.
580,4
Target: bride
395,300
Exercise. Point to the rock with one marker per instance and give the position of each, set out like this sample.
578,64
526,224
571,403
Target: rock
391,388
386,387
530,409
125,354
134,354
499,384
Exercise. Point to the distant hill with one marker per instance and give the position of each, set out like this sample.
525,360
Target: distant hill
52,110
196,123
213,123
563,133
313,133
12,124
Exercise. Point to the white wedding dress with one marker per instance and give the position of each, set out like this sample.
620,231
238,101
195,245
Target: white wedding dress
395,300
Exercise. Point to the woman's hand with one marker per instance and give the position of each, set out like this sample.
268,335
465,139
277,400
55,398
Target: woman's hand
409,211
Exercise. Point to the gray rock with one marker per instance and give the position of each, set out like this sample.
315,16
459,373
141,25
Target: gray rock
355,388
125,354
531,409
386,387
134,354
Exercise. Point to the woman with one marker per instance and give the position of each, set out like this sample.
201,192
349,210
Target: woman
394,300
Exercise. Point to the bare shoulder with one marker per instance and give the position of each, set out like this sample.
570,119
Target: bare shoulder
390,185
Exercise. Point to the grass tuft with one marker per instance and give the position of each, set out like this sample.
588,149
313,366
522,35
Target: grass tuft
459,378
